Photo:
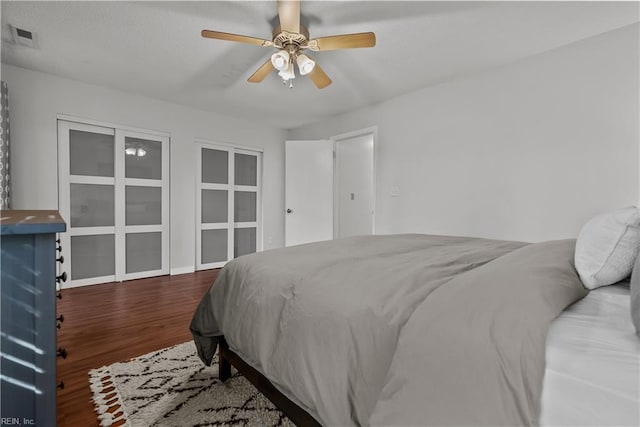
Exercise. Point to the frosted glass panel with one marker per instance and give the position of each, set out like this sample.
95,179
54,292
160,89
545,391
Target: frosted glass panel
215,166
214,206
144,252
245,241
245,206
92,256
246,169
143,205
143,158
214,246
90,153
92,205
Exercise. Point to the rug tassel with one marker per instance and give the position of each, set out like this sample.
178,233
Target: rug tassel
107,403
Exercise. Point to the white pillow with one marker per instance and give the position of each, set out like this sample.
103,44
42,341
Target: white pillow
607,247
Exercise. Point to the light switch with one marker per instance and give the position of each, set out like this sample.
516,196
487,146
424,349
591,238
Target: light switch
395,191
353,196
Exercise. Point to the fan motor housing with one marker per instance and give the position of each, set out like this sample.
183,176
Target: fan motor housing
284,38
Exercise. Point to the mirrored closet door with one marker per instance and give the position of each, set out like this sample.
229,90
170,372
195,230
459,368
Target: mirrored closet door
228,204
114,194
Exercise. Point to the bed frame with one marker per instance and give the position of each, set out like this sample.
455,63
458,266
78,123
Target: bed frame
226,358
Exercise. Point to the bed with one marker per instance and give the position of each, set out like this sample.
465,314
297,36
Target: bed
421,330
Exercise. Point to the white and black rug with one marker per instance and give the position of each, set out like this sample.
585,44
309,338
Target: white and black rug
172,387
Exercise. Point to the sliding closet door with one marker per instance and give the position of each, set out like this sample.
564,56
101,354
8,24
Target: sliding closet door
114,194
247,202
143,212
214,202
87,197
228,204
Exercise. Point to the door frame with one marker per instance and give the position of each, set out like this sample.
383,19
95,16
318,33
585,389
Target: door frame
230,187
373,131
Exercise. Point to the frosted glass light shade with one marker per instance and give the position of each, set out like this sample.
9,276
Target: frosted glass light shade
288,73
305,64
280,60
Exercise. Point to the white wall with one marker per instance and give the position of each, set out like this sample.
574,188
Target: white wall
529,151
35,100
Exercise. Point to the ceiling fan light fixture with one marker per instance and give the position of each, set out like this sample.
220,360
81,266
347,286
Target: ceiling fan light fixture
280,60
288,73
305,64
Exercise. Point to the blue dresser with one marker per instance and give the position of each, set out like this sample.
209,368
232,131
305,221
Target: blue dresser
28,314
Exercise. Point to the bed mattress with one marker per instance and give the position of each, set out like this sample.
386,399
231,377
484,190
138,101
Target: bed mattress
592,374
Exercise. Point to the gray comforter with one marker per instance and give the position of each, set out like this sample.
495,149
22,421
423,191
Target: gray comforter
396,330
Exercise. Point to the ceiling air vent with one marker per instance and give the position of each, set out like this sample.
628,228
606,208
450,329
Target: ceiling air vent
24,37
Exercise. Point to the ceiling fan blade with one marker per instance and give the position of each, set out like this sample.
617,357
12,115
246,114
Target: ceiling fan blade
236,38
289,13
261,72
345,41
319,77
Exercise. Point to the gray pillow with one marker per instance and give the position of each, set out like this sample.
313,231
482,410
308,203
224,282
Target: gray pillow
635,295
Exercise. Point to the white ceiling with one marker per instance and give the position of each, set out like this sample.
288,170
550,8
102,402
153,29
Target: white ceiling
155,49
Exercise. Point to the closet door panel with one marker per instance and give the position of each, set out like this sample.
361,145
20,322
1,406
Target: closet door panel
246,169
143,158
214,245
214,166
90,154
92,205
92,256
215,208
143,205
144,252
245,206
244,241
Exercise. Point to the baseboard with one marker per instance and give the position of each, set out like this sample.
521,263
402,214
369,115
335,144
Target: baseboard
182,270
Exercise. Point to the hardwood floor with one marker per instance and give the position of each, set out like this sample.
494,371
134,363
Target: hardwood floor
117,321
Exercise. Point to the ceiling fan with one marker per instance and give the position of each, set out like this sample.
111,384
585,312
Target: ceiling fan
291,38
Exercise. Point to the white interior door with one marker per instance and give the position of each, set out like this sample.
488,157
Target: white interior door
308,191
354,189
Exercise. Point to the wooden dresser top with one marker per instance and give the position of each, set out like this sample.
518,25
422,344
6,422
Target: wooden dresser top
31,222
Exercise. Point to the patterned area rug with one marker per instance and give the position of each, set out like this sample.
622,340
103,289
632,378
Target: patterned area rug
172,387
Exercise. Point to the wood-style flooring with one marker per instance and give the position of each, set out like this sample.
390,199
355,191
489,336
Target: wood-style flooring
114,322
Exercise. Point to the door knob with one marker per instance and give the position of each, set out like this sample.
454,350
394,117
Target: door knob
289,211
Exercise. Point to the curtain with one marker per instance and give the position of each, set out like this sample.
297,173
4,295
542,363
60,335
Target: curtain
5,184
